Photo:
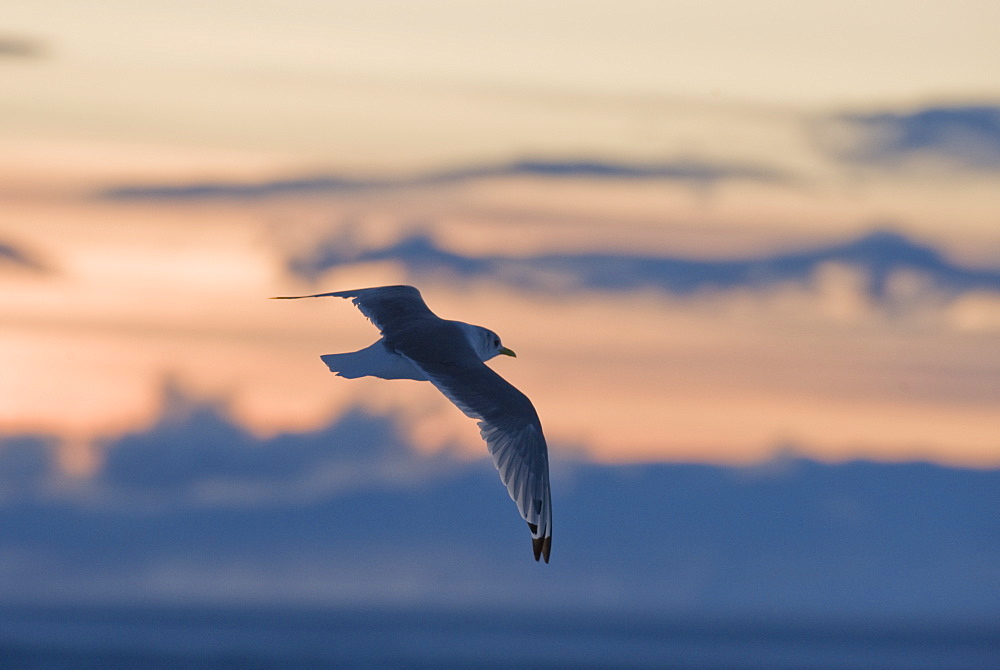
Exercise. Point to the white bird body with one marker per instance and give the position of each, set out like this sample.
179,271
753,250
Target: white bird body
417,344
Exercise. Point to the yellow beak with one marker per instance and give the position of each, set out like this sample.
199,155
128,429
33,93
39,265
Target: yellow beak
507,352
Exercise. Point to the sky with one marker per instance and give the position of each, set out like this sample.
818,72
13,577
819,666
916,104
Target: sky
748,254
700,132
386,84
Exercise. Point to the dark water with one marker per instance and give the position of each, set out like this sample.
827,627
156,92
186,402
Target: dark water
57,638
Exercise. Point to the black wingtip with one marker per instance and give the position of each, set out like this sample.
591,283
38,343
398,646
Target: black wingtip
541,546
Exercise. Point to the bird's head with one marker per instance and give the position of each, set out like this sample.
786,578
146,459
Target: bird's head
487,343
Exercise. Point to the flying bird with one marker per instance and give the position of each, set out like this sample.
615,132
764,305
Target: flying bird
417,344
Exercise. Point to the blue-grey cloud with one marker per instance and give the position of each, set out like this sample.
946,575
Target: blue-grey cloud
195,450
688,171
27,464
13,46
15,257
804,539
878,255
967,136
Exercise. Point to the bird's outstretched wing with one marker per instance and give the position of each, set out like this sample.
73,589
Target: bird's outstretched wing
509,424
390,308
507,419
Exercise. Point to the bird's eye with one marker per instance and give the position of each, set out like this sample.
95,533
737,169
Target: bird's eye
496,341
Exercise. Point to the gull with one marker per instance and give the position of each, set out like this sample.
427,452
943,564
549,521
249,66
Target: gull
451,355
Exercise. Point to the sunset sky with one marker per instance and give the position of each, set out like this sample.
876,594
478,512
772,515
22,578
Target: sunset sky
714,132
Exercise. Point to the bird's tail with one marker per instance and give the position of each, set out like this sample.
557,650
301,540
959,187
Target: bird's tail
349,365
373,361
